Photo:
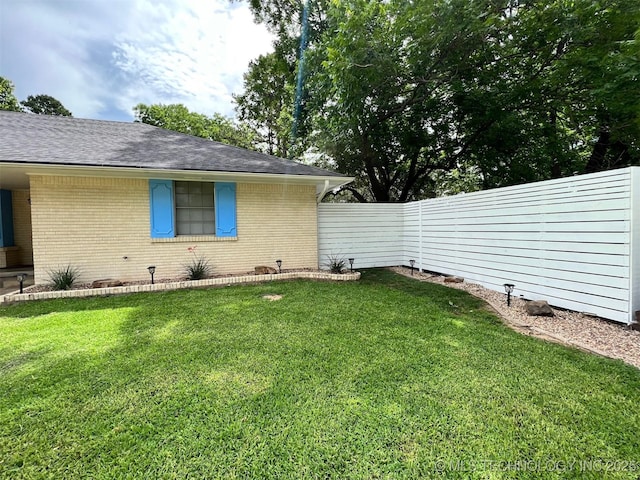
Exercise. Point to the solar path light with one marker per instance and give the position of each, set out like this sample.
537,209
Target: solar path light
508,287
152,270
21,278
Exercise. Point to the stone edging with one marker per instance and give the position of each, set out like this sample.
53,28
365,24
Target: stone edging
159,287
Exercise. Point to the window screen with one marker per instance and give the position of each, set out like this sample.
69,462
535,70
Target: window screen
194,208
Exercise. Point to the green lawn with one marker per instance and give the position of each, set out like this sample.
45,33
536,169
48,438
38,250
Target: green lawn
382,378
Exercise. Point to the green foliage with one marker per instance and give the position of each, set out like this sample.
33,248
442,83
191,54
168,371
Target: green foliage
8,100
383,378
199,268
284,18
336,263
266,104
38,104
178,118
63,278
45,105
402,95
462,179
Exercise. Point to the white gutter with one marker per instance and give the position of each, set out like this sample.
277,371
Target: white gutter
323,182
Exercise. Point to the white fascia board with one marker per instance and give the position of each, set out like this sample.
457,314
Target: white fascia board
193,175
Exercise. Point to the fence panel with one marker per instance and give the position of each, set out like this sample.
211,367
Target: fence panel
570,241
566,241
370,233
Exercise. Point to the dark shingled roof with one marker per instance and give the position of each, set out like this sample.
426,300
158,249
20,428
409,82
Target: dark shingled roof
49,140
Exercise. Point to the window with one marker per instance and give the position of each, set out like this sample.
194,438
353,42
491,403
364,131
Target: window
192,208
195,214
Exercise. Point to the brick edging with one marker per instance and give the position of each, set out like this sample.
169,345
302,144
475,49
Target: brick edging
159,287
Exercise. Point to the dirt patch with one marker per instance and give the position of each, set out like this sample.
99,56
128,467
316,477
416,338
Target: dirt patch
272,298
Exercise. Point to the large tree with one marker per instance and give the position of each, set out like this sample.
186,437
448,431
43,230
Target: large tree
274,100
45,105
394,75
177,117
406,94
408,91
601,80
266,103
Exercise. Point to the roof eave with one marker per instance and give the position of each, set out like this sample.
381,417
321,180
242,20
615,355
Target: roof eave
334,181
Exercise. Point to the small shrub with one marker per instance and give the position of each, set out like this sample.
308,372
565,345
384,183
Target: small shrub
335,263
63,278
199,268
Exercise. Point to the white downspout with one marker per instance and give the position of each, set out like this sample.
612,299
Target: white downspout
323,192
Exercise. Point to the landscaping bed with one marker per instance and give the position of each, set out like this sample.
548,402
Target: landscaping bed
46,292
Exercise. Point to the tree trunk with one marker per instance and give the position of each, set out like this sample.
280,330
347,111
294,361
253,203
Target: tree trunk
596,161
556,168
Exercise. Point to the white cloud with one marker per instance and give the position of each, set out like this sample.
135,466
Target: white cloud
102,58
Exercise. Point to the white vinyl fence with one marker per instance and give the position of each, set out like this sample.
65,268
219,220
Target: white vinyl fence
571,241
372,233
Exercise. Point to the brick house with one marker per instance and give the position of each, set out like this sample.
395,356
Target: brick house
112,198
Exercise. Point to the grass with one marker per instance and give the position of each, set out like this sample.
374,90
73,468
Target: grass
382,378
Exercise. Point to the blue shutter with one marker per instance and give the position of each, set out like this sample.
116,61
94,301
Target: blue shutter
6,219
161,208
226,209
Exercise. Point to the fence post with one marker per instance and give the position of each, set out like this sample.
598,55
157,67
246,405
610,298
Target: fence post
634,242
420,264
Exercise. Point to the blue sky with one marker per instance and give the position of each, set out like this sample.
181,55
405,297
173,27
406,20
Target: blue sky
102,57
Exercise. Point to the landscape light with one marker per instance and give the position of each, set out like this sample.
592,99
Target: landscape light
21,279
412,262
351,260
152,270
279,263
508,287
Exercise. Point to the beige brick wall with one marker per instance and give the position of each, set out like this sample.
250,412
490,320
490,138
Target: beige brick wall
94,223
22,226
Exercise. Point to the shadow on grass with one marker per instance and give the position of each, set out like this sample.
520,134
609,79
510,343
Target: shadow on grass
380,278
439,296
377,378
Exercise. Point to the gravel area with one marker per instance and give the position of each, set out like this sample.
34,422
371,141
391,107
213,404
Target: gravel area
593,334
